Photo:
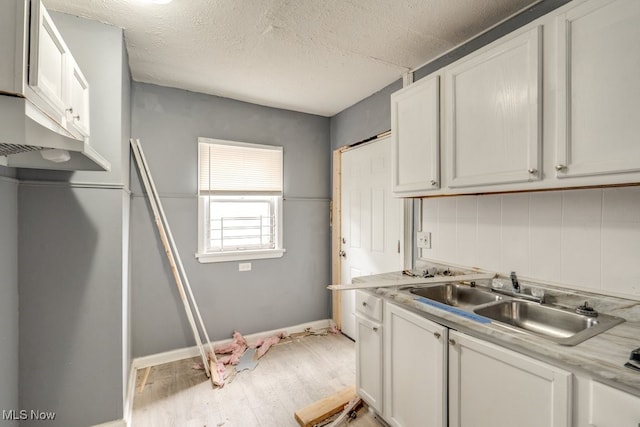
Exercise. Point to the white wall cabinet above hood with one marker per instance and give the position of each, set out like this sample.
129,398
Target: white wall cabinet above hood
44,102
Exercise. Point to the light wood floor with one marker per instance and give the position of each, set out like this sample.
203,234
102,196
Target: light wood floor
289,377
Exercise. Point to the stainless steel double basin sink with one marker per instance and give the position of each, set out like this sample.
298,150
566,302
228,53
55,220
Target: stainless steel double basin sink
554,323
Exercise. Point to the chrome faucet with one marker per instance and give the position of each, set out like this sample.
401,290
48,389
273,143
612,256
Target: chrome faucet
514,282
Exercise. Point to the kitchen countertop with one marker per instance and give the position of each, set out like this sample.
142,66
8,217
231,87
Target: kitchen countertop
601,357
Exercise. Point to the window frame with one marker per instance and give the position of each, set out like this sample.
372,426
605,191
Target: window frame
204,255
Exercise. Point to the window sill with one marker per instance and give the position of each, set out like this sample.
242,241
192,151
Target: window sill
205,258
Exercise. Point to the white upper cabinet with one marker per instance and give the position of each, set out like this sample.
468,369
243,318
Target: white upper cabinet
44,70
493,114
78,99
44,95
555,104
48,62
415,135
598,89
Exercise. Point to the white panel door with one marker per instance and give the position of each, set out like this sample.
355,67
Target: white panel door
492,386
599,89
493,114
371,220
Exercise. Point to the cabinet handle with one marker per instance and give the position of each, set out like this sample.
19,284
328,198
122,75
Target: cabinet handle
561,167
532,171
437,335
433,182
375,329
452,341
76,117
70,110
364,303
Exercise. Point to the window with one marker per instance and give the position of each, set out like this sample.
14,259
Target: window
239,201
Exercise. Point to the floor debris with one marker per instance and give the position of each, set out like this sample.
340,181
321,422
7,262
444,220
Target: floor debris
247,361
324,408
349,413
239,355
233,350
263,345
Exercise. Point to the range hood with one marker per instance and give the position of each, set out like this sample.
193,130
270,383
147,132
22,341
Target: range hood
29,139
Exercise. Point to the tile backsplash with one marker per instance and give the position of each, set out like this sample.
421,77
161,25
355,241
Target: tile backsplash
585,239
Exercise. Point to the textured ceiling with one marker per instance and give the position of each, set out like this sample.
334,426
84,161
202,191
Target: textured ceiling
315,56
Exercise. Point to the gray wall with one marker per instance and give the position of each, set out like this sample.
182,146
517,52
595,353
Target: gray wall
372,115
8,297
277,292
71,256
7,172
367,118
70,303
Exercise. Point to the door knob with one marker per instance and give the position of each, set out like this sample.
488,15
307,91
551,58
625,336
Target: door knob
343,254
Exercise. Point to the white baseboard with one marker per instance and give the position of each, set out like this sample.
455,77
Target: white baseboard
185,353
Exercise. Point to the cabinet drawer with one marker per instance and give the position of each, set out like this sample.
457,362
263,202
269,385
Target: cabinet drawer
369,305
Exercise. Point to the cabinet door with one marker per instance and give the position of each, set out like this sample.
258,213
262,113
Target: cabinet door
492,386
78,112
48,61
613,408
598,89
493,114
415,135
415,369
369,362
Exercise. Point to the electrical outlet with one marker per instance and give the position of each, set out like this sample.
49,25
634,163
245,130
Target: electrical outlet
424,239
244,266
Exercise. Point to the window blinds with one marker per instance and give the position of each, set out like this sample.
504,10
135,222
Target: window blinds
228,167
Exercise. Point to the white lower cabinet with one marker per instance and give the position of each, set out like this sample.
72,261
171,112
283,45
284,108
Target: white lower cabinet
369,362
369,349
415,372
610,407
493,386
415,369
